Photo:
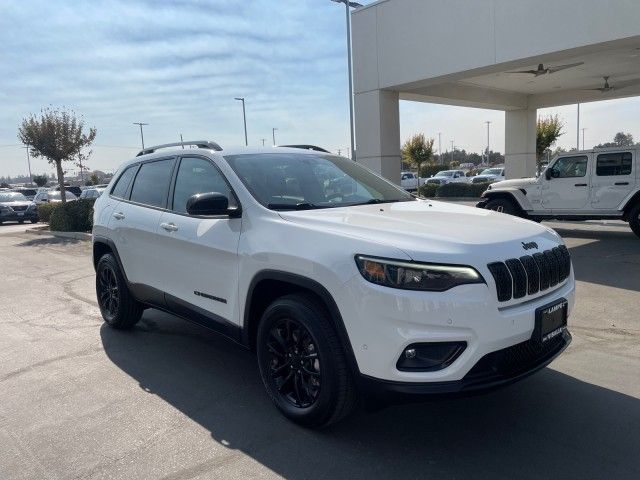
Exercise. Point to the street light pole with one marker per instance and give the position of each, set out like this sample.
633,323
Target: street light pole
583,129
263,141
141,134
488,126
29,164
451,151
578,130
347,5
244,117
440,148
273,133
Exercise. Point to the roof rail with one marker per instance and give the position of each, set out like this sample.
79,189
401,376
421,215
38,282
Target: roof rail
198,143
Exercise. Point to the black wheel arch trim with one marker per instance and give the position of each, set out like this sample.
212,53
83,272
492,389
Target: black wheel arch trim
314,287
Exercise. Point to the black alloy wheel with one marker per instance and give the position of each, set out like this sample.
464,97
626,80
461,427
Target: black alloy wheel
294,365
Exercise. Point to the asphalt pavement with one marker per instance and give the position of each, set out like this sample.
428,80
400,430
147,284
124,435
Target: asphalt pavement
170,400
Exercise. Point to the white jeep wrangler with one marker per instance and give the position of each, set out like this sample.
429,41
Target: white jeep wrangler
581,185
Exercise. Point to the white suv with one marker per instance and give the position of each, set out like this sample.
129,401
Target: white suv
579,185
346,286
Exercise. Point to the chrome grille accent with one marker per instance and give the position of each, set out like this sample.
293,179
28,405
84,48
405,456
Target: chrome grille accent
530,274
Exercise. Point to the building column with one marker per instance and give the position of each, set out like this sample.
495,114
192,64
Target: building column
377,119
520,143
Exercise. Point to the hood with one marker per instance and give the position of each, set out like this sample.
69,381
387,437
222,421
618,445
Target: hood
430,230
516,183
19,203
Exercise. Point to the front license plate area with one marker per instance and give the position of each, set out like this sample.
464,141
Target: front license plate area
551,320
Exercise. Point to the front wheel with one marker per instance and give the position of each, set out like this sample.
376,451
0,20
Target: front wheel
302,363
634,219
118,307
502,205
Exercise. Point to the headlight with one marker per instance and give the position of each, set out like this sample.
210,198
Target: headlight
415,276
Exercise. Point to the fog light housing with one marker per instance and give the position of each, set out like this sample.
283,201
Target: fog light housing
429,357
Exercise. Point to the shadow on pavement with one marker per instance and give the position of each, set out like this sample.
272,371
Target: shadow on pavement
549,426
610,258
47,241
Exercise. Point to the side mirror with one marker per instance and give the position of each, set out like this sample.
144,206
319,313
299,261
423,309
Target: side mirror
547,174
211,203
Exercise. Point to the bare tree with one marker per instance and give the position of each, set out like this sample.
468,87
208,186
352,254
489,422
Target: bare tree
58,136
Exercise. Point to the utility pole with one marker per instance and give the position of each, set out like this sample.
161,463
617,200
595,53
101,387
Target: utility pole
182,141
273,133
141,134
440,148
452,148
29,164
263,141
488,126
583,129
244,117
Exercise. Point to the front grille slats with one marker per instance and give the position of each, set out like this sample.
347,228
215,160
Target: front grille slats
517,277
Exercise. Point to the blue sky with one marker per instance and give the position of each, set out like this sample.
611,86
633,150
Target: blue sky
178,64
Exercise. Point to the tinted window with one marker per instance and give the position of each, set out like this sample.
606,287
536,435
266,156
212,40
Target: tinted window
151,183
610,164
197,175
120,188
570,167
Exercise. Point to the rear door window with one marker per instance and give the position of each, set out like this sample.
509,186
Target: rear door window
151,184
610,164
119,190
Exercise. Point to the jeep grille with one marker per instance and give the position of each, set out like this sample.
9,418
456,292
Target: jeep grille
518,277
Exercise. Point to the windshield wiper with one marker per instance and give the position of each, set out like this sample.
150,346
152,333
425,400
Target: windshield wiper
292,206
375,201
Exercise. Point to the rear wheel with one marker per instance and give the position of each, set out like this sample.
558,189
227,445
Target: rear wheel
302,363
118,307
503,205
634,219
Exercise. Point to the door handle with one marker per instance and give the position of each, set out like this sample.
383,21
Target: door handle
621,183
118,215
169,227
581,184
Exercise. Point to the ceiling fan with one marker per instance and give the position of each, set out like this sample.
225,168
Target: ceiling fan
549,70
618,86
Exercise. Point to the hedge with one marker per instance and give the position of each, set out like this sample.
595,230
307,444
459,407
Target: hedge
472,190
44,211
76,216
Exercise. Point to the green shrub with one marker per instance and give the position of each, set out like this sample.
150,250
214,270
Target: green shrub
73,216
430,170
44,211
428,190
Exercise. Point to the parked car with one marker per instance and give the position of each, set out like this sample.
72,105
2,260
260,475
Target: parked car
91,192
359,291
53,196
14,206
70,188
448,176
489,175
410,181
29,193
580,185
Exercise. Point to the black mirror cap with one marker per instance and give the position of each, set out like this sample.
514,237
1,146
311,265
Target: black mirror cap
211,203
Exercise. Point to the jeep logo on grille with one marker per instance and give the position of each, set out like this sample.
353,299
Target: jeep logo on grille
529,245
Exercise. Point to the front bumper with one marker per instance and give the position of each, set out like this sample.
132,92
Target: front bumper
482,203
494,370
19,216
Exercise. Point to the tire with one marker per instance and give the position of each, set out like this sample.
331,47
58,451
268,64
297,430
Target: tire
295,335
35,220
118,307
503,205
634,219
20,222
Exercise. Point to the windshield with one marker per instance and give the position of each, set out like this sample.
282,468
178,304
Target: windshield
12,197
445,173
491,171
286,181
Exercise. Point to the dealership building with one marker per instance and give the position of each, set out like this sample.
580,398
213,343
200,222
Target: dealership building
462,52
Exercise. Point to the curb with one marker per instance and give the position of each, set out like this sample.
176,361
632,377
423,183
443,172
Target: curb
44,230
